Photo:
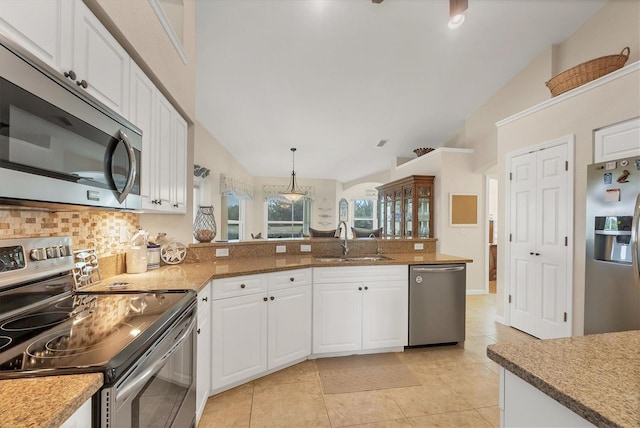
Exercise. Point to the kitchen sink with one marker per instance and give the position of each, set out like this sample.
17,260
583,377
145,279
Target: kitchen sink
340,259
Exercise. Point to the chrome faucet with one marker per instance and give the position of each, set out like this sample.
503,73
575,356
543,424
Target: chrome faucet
345,247
372,235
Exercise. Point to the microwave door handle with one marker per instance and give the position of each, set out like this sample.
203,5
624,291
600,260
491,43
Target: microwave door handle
133,384
132,166
634,246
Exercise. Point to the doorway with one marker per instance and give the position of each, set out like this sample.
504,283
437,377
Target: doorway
492,231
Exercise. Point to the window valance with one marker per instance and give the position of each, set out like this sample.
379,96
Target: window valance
235,186
274,191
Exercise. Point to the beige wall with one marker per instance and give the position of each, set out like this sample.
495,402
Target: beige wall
580,116
453,171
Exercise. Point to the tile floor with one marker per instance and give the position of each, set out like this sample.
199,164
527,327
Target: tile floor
459,389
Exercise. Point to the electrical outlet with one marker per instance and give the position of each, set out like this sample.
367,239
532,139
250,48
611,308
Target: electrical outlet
281,248
418,246
222,252
305,248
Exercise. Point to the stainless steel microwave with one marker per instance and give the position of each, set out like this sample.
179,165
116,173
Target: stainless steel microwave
60,146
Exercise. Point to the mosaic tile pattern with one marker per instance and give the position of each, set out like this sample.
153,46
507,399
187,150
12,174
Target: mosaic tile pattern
88,229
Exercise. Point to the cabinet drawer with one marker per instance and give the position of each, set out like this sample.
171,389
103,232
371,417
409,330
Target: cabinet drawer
290,278
330,275
239,286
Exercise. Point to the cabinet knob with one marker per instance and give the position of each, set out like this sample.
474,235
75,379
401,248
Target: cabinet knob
292,279
366,288
531,253
272,298
82,83
264,298
175,205
537,254
359,288
70,74
198,331
242,286
205,299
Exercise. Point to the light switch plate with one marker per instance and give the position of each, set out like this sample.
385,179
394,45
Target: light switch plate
418,246
305,248
281,248
222,252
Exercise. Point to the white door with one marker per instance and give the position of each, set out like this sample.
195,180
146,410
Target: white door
289,337
552,215
239,339
100,61
540,218
522,200
384,314
337,317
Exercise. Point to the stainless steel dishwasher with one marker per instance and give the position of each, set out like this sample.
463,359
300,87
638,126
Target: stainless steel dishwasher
437,303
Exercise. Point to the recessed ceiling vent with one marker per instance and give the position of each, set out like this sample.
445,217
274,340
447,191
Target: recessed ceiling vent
381,143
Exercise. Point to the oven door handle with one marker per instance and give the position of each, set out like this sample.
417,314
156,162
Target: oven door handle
133,384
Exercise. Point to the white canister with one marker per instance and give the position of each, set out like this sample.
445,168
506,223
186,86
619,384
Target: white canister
137,259
153,256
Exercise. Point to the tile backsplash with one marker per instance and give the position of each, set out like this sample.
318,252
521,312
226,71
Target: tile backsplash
101,230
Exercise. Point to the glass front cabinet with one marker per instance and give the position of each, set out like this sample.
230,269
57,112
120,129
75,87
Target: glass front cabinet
405,207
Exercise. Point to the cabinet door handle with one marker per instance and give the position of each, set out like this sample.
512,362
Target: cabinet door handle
366,288
242,286
292,279
82,83
175,205
70,74
531,253
264,298
359,288
537,254
205,299
272,298
198,331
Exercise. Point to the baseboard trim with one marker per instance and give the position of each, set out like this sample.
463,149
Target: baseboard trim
500,319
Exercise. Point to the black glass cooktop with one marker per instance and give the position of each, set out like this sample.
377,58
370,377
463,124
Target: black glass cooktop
86,331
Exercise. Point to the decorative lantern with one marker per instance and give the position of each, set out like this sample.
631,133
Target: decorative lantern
204,227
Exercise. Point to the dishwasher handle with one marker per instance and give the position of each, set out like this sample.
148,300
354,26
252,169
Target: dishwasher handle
438,269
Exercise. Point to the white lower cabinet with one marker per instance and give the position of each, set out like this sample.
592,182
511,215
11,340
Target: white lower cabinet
360,308
254,329
203,359
80,418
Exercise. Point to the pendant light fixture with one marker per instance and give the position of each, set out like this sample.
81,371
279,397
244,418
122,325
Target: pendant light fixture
456,12
293,192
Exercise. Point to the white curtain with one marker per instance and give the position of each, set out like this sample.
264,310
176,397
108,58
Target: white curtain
235,186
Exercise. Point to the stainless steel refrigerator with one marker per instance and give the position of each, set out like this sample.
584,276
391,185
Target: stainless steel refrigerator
612,277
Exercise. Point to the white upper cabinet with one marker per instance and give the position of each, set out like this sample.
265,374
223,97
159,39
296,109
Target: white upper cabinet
100,63
68,37
621,140
43,27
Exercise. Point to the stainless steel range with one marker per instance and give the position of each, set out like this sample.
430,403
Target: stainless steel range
143,343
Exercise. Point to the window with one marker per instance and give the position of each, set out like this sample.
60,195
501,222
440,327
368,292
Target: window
363,210
286,219
235,224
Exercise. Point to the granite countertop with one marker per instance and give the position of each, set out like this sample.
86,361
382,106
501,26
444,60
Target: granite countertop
195,276
596,376
65,394
45,401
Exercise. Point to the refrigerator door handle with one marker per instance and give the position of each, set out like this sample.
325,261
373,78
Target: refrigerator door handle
634,247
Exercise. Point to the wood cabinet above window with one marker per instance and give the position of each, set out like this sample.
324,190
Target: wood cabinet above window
405,207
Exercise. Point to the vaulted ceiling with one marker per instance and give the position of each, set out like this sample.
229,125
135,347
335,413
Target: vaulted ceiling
334,77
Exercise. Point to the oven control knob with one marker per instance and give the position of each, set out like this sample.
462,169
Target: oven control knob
53,252
65,251
38,254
